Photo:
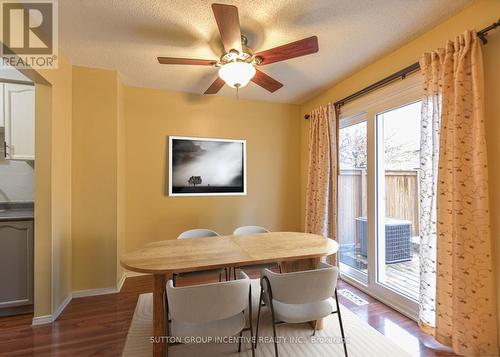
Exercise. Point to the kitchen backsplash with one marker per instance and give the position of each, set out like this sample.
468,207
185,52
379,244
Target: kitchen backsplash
17,181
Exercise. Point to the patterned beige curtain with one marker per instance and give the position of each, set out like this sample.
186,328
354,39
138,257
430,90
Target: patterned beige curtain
465,288
321,194
428,179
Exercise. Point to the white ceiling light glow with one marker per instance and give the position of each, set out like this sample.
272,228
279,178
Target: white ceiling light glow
237,74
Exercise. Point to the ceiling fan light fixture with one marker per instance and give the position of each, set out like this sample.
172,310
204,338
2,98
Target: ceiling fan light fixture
237,74
237,65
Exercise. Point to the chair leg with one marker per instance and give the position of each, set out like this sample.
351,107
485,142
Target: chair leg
234,273
315,327
253,348
174,279
279,266
274,334
239,341
167,321
165,313
258,317
270,294
340,323
220,277
250,317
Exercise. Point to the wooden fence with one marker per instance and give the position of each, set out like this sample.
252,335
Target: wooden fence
401,196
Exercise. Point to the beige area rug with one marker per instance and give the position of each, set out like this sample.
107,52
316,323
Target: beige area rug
362,339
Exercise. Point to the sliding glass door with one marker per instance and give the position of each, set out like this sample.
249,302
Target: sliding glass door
398,214
378,200
352,198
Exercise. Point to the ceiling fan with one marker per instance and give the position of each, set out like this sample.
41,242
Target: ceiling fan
237,66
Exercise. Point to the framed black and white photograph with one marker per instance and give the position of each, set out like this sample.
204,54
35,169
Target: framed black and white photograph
206,166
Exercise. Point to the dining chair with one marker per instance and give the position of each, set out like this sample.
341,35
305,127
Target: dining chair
300,297
199,233
209,310
249,230
254,230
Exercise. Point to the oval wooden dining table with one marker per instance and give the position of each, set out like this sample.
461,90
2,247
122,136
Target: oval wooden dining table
163,258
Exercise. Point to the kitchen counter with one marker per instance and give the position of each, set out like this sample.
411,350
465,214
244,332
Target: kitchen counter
16,211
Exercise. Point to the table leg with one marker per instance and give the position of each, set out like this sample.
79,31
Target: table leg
299,265
285,267
314,263
159,347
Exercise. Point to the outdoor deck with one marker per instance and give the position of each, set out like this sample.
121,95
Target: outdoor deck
403,277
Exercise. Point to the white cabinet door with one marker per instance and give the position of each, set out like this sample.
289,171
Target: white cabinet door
19,109
2,114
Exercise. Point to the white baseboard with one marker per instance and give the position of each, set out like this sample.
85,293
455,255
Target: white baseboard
120,282
47,319
94,292
61,307
131,274
102,291
41,320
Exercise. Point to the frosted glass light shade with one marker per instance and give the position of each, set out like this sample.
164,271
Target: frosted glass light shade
237,74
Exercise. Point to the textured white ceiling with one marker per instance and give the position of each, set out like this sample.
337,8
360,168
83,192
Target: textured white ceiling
128,35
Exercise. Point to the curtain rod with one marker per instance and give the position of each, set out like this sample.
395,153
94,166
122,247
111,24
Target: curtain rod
402,73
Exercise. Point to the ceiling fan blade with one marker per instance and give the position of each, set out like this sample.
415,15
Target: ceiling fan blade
298,48
228,23
192,61
266,82
215,86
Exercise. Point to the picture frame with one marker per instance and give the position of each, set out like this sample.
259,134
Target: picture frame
206,166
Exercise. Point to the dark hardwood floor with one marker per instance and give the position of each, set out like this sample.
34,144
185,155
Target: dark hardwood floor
98,325
400,329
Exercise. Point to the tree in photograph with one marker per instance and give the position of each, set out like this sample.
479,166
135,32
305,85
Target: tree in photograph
195,180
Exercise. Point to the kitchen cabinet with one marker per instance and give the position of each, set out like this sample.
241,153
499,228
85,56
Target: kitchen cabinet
19,121
2,120
16,266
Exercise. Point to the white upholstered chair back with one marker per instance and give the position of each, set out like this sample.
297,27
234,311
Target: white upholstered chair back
303,287
197,233
208,302
249,230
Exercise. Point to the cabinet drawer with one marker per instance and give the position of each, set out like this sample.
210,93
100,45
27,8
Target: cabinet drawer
2,114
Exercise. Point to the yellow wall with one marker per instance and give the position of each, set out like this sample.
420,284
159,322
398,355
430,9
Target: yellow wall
52,269
481,14
121,179
61,180
272,134
43,202
119,155
94,177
